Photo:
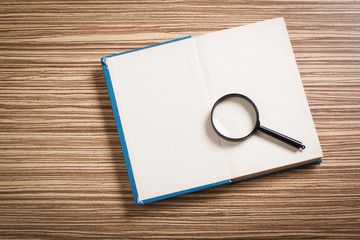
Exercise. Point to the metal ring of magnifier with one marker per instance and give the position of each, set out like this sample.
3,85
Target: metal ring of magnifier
257,124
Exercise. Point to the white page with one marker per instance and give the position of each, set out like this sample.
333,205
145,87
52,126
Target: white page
164,109
257,60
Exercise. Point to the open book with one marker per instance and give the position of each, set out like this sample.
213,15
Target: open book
162,96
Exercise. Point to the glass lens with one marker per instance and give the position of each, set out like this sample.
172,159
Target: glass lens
234,117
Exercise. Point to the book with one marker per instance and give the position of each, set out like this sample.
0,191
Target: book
162,96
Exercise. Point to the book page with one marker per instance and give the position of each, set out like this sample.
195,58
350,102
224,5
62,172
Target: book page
164,110
257,60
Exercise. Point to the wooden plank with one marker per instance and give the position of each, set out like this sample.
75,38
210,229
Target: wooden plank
62,173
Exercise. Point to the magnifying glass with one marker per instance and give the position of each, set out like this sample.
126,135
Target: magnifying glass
235,117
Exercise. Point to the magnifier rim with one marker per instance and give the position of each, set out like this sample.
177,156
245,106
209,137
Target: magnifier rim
239,96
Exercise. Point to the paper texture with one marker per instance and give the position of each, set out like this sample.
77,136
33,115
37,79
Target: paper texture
257,60
164,109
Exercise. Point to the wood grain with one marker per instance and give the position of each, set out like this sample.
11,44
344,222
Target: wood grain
62,172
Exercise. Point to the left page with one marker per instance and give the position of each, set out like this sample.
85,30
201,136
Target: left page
164,110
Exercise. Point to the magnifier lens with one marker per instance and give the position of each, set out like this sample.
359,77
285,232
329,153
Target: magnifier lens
234,117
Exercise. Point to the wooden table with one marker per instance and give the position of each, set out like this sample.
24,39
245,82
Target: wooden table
62,172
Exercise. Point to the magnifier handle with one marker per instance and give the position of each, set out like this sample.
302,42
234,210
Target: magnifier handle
281,137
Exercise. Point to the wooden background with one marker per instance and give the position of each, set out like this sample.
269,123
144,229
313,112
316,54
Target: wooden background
62,172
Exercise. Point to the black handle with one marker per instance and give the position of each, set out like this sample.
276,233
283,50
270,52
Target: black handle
281,137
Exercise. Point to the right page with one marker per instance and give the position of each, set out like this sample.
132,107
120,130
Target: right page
257,60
